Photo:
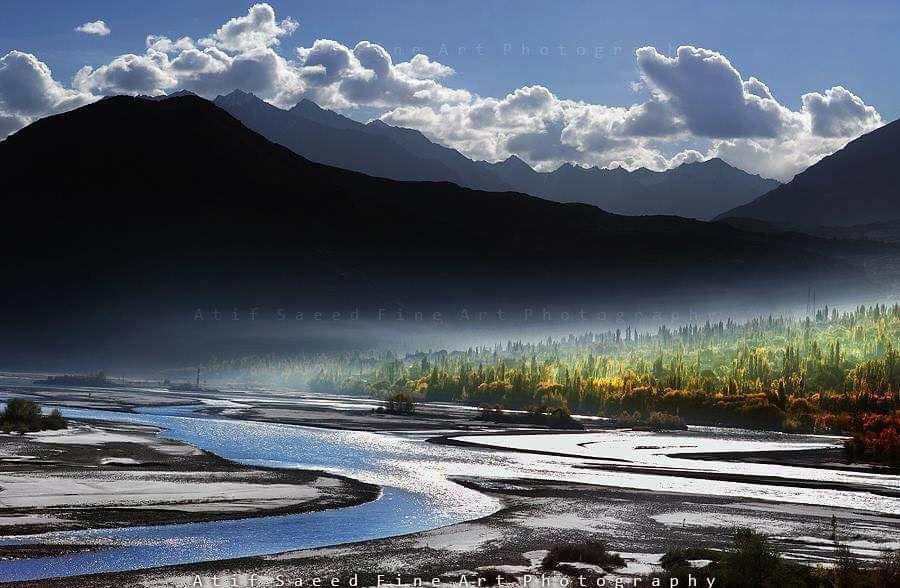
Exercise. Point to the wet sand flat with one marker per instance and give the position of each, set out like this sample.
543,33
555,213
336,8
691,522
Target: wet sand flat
103,475
640,525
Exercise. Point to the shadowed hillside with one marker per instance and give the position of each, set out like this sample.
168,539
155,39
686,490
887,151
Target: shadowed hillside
854,186
375,149
693,190
136,208
698,190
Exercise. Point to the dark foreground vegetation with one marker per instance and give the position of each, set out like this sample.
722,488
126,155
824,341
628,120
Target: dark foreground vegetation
24,416
749,562
594,553
554,418
752,562
657,421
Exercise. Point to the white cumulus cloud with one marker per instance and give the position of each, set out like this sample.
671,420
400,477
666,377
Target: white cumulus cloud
696,104
128,74
421,67
708,93
28,91
696,96
98,27
839,113
257,29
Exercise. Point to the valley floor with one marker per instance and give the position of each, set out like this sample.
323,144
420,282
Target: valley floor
639,525
102,475
99,474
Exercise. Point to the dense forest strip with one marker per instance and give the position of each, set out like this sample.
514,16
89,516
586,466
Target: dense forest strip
831,372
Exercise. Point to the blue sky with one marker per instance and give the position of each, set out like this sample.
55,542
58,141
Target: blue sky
548,81
794,47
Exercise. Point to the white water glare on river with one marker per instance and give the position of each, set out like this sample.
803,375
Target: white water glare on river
418,492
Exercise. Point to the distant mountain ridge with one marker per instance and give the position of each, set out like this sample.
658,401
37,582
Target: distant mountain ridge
375,149
692,190
700,190
858,185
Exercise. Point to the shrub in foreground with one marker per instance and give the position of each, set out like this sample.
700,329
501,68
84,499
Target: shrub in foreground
54,421
875,437
681,556
401,402
752,562
591,552
24,416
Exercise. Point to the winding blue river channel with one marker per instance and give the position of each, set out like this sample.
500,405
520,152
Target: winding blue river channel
417,494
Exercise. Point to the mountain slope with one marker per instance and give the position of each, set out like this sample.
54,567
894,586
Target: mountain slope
856,185
568,183
465,171
327,137
309,110
692,190
134,210
695,190
700,190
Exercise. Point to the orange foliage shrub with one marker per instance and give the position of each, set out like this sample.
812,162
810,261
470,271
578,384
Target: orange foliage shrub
875,437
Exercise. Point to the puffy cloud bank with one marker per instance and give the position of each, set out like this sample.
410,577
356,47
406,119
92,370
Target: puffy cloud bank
28,91
696,97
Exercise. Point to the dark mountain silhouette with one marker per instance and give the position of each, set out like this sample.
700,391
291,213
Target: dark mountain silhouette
700,190
568,183
309,110
465,171
178,94
693,190
375,149
132,210
327,137
515,172
854,186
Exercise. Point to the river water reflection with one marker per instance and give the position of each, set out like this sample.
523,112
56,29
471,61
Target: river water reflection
417,493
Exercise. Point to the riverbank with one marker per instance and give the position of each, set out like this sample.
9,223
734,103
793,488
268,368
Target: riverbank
111,475
537,515
828,459
832,459
289,407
